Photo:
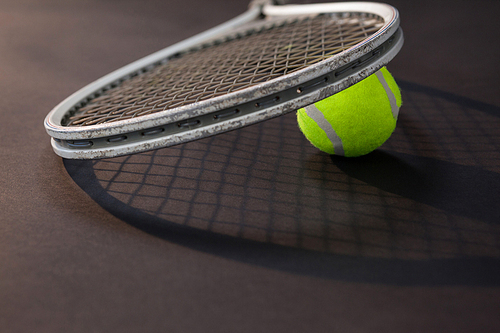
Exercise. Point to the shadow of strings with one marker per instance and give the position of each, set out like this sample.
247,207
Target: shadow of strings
417,197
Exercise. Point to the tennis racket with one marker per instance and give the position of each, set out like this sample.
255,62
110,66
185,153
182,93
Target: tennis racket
271,60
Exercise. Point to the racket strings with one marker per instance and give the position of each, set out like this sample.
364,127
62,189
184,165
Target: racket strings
234,64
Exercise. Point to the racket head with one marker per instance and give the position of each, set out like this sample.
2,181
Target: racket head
250,102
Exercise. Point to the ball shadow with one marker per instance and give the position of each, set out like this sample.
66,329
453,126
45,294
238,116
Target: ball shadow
463,190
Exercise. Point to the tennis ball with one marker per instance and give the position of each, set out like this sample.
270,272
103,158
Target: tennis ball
355,121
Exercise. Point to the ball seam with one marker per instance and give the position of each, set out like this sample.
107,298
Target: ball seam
390,94
317,116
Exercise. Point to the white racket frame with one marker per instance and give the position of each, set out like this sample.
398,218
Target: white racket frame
58,132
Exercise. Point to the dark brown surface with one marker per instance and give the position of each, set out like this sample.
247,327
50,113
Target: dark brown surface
253,230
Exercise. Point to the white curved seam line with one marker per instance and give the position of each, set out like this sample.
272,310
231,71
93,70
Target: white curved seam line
390,94
318,116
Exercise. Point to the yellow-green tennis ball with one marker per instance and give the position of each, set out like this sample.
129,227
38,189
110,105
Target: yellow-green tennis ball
355,121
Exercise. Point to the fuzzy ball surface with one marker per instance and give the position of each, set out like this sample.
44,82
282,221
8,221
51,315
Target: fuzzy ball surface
355,121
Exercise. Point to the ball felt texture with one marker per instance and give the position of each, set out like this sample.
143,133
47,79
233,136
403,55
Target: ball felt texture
355,121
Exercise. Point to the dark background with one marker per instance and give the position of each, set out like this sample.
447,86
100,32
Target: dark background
253,230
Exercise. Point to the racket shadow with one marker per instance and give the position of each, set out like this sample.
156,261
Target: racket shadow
262,195
457,270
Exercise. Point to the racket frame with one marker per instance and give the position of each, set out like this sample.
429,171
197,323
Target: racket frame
259,102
